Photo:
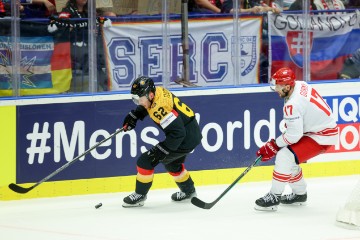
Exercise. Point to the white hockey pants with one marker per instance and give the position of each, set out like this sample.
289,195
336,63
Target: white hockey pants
287,171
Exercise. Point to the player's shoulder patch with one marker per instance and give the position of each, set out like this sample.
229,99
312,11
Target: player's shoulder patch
168,119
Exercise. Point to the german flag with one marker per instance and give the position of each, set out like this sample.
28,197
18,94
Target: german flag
45,62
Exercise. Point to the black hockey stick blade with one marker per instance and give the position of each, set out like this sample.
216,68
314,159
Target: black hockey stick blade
22,190
19,189
201,204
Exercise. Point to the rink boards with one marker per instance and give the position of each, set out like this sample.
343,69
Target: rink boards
41,135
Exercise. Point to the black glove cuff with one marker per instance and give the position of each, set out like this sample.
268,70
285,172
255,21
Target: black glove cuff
140,112
132,114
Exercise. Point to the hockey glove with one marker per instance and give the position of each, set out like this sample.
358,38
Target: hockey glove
134,115
158,153
130,121
268,151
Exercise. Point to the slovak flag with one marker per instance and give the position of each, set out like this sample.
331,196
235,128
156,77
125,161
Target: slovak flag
295,43
331,39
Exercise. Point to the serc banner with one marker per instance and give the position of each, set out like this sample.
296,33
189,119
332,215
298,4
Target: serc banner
134,49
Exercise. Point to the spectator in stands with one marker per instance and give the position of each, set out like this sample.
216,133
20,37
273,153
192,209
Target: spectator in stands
351,67
77,11
273,3
256,7
352,4
298,5
205,6
39,9
248,6
329,4
2,9
104,12
76,8
5,8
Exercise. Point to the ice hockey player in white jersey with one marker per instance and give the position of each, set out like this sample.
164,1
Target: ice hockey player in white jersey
311,129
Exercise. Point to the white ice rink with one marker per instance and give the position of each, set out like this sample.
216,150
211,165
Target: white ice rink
233,217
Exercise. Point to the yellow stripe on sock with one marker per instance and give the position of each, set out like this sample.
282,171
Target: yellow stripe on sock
144,178
184,175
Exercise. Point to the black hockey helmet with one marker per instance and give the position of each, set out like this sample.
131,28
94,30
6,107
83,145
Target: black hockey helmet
142,86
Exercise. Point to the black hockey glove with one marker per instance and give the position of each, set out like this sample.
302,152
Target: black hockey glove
158,153
134,115
130,121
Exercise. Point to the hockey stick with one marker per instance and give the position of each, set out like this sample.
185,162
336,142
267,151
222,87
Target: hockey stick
201,204
19,189
185,83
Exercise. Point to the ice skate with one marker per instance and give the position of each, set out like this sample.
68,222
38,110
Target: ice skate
269,202
134,200
181,196
293,199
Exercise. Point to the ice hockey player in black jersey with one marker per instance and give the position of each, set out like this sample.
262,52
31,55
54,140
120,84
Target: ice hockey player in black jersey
182,135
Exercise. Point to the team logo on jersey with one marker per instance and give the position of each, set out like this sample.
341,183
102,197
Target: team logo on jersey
248,54
295,41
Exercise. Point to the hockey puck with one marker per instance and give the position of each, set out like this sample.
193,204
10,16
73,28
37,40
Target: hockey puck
98,205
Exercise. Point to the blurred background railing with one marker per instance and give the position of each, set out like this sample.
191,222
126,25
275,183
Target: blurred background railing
81,46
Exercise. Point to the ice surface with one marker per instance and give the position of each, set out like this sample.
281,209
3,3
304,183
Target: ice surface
233,217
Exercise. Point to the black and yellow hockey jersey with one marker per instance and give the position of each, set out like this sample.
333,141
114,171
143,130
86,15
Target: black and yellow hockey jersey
176,119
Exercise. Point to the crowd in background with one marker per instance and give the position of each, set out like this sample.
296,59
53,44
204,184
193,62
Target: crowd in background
46,8
78,9
255,6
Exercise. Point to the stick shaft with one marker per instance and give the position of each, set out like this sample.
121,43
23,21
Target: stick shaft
19,189
201,204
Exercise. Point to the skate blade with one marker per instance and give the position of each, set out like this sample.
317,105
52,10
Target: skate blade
126,205
266,209
294,204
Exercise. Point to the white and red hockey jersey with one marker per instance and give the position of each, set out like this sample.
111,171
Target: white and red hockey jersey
307,114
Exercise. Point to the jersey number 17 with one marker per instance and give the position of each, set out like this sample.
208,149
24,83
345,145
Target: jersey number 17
316,99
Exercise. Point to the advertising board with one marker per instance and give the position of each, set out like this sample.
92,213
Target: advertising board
235,122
